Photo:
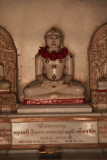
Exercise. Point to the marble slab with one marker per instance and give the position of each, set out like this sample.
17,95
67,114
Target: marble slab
62,132
5,133
80,108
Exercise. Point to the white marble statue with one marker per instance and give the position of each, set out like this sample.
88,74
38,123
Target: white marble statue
4,84
54,71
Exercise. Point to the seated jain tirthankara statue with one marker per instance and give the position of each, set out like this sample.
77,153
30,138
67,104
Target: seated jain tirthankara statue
54,74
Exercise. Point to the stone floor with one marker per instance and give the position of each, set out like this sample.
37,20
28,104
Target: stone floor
67,156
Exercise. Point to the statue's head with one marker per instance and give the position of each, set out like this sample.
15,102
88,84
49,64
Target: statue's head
54,38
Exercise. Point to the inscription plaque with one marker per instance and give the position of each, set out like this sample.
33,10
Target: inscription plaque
54,132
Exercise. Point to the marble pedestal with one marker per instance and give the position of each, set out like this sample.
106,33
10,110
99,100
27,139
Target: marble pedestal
77,108
68,130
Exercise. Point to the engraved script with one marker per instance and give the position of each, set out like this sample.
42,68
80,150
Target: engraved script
54,132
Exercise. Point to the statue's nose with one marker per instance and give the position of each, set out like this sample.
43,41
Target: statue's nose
53,40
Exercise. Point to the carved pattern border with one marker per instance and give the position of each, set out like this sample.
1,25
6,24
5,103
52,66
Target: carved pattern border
99,98
8,102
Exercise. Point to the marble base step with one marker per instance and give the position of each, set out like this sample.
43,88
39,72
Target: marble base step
80,108
65,130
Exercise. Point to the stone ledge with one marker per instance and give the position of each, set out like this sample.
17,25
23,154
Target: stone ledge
35,151
77,108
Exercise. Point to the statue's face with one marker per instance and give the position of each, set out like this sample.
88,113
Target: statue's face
53,39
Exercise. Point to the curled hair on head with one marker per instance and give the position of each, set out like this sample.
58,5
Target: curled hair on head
54,29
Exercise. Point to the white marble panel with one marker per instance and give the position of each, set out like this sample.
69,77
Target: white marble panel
77,108
54,132
5,133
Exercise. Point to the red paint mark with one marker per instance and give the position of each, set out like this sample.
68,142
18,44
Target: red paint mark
54,101
102,90
4,92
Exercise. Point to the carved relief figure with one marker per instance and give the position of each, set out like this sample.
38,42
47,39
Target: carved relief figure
102,83
8,67
98,53
10,73
8,57
4,84
54,70
105,70
98,68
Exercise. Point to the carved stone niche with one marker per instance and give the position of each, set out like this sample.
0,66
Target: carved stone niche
8,72
98,69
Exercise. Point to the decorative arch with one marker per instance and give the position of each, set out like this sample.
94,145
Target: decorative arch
97,53
8,57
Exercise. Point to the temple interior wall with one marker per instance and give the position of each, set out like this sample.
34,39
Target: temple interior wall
28,20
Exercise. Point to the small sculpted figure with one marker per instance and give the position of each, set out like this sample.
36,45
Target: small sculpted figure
54,70
102,83
105,70
4,84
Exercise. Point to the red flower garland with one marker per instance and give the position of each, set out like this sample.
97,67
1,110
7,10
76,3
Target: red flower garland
53,55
